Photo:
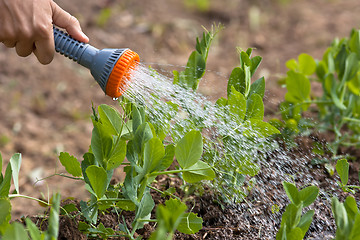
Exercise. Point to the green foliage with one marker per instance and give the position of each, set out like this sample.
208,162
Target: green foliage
195,67
70,163
172,216
347,218
190,224
294,225
228,154
114,137
342,168
201,5
5,214
339,105
15,230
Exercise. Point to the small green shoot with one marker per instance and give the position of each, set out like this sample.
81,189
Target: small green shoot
294,225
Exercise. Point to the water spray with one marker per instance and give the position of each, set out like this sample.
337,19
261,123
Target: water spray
111,68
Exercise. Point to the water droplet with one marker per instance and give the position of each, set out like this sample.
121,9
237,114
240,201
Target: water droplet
115,98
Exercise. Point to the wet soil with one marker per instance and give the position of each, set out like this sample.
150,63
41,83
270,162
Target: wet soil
46,109
259,216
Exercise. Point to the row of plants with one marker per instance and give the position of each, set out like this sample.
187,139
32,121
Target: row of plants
337,111
146,147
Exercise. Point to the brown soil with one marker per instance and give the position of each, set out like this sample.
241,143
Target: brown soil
46,109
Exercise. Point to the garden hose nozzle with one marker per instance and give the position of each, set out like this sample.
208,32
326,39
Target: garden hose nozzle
111,68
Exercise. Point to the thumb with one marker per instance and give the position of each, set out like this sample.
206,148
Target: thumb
64,20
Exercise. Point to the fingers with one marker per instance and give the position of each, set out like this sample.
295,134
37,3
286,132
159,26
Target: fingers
64,20
9,44
24,48
44,50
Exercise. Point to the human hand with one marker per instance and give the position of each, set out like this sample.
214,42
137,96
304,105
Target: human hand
27,25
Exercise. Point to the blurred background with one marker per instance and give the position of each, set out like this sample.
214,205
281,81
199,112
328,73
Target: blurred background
46,109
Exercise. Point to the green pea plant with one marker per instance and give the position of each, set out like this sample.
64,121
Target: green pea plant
294,225
241,112
347,218
16,230
342,168
338,106
346,214
115,137
151,146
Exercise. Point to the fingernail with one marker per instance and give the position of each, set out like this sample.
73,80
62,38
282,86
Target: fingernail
84,36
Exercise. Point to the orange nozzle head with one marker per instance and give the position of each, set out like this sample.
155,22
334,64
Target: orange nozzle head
120,76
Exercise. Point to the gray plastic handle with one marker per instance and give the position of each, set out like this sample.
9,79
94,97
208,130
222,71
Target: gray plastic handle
100,62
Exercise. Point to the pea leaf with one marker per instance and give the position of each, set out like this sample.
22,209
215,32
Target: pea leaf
126,205
355,232
190,224
101,144
189,149
153,154
143,210
137,118
342,168
332,87
53,227
298,86
69,208
291,192
70,163
5,213
340,216
199,171
305,222
15,162
259,129
354,84
351,207
6,182
248,166
292,65
254,107
33,229
168,158
170,214
110,118
142,135
98,180
89,159
244,59
354,42
255,62
117,154
258,87
236,80
15,231
351,67
308,195
195,69
237,105
307,64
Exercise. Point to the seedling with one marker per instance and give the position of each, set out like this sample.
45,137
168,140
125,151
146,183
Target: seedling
338,106
294,225
347,218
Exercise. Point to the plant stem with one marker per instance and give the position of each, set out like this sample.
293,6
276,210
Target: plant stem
61,175
351,119
159,191
176,171
28,197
